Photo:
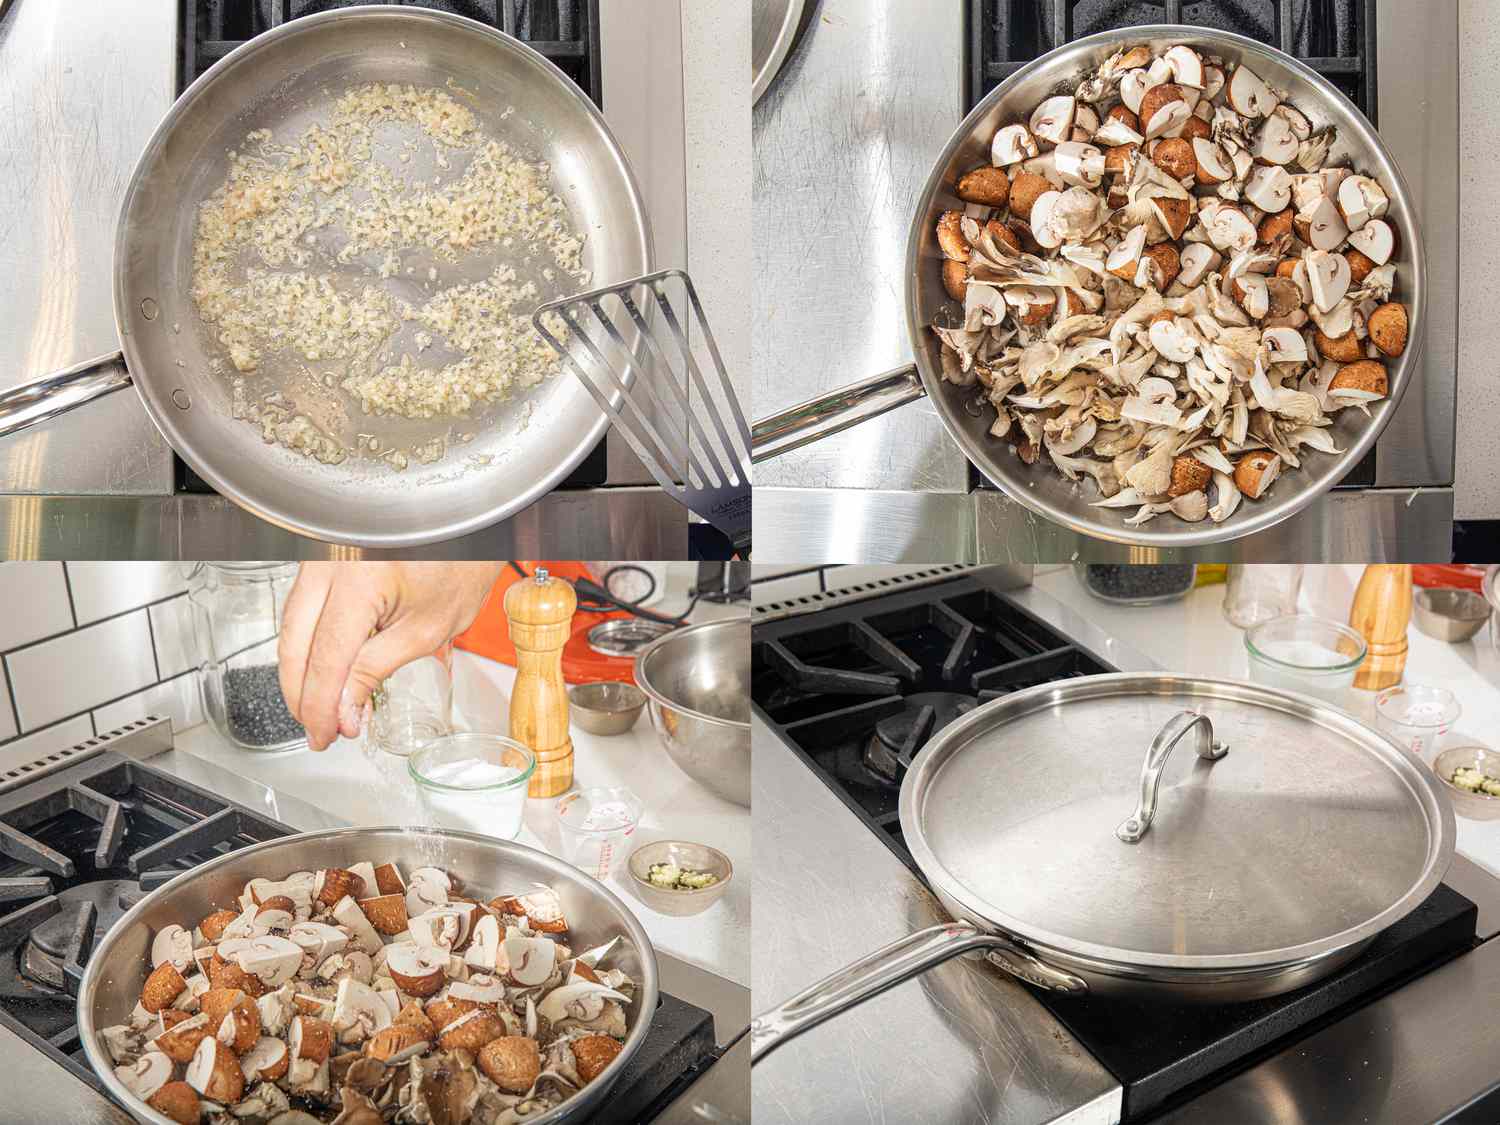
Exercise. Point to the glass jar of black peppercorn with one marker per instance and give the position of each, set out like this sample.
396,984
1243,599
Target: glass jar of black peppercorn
236,618
1130,584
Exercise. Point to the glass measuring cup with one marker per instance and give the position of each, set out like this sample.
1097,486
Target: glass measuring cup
1416,716
594,824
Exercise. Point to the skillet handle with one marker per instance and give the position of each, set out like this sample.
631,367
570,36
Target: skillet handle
817,418
51,395
1138,823
885,968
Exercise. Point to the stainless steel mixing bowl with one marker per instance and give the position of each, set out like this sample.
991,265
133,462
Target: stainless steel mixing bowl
697,683
488,867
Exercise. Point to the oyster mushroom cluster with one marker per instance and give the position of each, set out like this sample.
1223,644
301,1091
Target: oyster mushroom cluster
358,997
1166,287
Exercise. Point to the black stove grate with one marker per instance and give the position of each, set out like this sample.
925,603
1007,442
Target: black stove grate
857,690
1336,38
80,846
566,32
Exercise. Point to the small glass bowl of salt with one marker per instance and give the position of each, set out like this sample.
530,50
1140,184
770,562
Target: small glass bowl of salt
475,782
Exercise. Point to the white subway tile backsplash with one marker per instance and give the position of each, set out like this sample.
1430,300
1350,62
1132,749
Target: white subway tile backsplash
33,602
75,672
7,716
44,742
101,589
172,628
177,698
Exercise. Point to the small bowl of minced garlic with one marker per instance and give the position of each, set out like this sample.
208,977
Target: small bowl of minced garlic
678,877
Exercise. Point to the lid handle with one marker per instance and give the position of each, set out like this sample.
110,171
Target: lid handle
1138,823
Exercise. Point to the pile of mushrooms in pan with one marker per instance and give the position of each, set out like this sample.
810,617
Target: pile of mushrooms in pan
357,997
1166,289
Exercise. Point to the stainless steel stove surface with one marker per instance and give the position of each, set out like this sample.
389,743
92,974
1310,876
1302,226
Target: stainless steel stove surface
897,488
84,834
854,684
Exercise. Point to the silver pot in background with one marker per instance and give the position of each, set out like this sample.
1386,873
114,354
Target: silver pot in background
697,685
118,967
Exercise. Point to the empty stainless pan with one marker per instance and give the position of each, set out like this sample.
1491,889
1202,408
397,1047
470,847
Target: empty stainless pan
120,962
285,80
1277,854
697,685
1040,487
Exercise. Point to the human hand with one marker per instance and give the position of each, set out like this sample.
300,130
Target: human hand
349,625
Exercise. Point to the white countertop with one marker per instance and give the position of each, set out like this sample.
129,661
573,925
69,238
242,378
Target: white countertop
1192,635
347,785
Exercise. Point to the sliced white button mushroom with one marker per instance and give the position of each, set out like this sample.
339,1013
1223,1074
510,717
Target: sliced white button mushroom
1361,199
267,1055
580,1000
1186,66
1053,119
346,913
531,960
1012,144
1115,132
1375,240
481,988
172,943
1328,277
1085,123
1285,345
1242,162
428,887
1251,293
1269,188
1295,119
1081,165
1275,143
1321,226
1133,87
1213,165
1041,220
146,1075
1213,82
318,938
1248,95
274,960
1168,120
1127,252
1197,259
1045,166
1227,227
484,950
1174,339
358,1011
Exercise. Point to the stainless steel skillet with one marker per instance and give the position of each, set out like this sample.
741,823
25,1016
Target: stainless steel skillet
1040,487
284,80
1276,855
120,962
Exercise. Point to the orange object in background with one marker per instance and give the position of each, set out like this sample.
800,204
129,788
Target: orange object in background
489,636
1450,575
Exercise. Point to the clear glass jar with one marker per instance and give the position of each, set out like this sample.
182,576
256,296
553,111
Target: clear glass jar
236,618
1257,592
1137,584
1306,654
413,705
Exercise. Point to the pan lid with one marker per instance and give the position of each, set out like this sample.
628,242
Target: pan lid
1290,831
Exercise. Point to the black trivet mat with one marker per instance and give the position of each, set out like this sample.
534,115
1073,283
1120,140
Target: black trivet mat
1162,1053
681,1043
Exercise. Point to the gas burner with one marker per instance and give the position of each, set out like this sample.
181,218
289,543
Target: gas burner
898,737
84,911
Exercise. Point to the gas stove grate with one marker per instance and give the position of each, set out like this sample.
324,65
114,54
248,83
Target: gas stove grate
1336,38
856,690
565,31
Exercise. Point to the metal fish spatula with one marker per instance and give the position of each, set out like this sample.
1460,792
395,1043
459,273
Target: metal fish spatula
644,351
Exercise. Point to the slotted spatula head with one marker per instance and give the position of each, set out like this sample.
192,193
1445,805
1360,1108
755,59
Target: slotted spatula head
644,350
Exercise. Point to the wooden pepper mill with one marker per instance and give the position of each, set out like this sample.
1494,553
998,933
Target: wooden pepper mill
540,611
1381,613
